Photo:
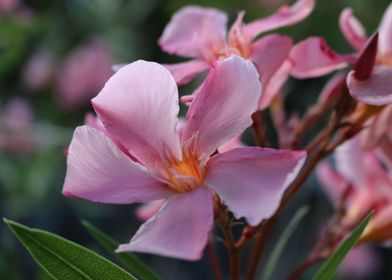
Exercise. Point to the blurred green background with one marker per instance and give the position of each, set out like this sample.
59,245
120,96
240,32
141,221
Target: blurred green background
56,55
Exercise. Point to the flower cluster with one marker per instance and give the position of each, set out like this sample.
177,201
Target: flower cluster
194,171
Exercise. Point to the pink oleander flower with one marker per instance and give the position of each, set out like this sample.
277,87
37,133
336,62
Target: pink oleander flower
38,71
83,73
15,127
140,157
368,185
313,58
362,262
200,33
378,135
8,6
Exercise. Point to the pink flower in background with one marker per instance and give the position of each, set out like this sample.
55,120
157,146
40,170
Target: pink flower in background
362,262
15,127
200,33
313,58
83,73
8,6
369,187
378,135
138,108
38,71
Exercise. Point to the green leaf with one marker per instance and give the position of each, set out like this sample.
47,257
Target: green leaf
284,238
328,269
129,260
63,259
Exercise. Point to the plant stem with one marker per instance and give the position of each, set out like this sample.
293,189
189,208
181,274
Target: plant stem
214,261
296,274
258,129
233,252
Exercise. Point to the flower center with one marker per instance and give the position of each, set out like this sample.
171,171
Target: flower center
385,59
185,175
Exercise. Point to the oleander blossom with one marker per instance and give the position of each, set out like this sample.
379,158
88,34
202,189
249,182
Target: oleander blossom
201,34
139,157
368,184
314,58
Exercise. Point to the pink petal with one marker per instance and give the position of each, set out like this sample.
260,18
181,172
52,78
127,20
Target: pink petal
269,53
377,128
352,29
275,84
332,182
285,16
179,230
194,31
362,262
252,180
149,209
186,71
234,142
139,106
270,56
93,121
98,171
377,90
380,227
223,107
332,90
385,31
384,152
349,161
314,58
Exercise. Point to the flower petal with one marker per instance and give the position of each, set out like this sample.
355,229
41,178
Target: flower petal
149,209
349,161
139,106
332,182
275,83
380,227
179,230
377,90
269,53
94,122
186,71
314,58
252,180
270,56
285,16
194,30
385,31
352,29
98,171
223,107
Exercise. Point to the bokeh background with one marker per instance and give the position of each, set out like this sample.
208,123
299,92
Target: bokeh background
56,55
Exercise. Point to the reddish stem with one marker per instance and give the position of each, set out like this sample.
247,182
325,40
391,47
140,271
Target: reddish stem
214,261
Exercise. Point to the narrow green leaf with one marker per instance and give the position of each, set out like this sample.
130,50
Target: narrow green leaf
64,259
129,260
281,244
330,266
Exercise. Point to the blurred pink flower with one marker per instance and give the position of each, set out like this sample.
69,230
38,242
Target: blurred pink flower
369,186
38,71
362,262
378,135
8,6
200,33
138,107
83,74
313,58
15,127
